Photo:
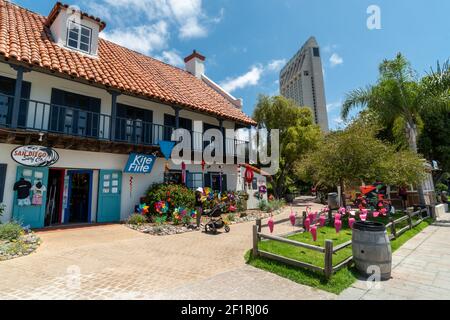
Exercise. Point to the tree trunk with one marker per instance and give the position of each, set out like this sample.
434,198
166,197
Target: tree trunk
412,140
342,185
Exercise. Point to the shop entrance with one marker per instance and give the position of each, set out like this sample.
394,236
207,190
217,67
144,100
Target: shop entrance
79,197
55,192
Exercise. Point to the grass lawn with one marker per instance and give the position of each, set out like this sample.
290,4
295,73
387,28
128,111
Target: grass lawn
340,280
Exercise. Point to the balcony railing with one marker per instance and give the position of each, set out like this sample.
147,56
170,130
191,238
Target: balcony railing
45,117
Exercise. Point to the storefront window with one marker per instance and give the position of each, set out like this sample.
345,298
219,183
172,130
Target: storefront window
174,177
194,180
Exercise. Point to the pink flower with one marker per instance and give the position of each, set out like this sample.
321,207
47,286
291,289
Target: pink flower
363,217
383,211
376,214
342,211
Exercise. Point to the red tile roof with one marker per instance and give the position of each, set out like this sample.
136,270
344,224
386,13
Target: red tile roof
25,37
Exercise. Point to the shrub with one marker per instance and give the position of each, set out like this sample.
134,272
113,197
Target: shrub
441,187
175,196
137,219
10,231
231,216
2,209
275,205
262,205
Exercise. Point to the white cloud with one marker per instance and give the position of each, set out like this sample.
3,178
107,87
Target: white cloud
276,65
188,17
334,105
329,48
336,59
251,78
171,57
145,39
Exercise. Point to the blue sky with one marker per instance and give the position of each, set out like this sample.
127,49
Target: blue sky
246,42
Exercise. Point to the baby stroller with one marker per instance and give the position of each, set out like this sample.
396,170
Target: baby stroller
215,220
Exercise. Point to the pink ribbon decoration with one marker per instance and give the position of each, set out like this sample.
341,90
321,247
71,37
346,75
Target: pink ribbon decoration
292,218
338,225
376,214
337,216
307,224
271,224
351,221
314,232
322,221
311,217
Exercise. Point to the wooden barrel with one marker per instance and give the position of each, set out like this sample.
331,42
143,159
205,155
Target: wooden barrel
372,249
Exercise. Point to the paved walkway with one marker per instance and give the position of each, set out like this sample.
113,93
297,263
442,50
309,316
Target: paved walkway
421,269
114,262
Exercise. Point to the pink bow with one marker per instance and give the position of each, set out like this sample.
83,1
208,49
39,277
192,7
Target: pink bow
271,224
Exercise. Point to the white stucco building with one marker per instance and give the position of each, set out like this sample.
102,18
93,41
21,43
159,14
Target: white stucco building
97,104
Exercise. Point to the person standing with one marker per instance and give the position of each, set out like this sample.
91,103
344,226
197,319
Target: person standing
403,194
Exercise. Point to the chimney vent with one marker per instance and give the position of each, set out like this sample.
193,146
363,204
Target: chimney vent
195,64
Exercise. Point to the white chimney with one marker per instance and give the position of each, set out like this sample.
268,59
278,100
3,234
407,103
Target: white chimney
195,64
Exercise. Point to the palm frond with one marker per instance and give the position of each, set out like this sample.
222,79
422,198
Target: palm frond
358,98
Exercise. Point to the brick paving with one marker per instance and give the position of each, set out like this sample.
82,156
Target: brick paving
114,262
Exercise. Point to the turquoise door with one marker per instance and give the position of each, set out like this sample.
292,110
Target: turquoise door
29,212
109,196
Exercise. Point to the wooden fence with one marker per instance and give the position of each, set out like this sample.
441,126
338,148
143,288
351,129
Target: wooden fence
329,250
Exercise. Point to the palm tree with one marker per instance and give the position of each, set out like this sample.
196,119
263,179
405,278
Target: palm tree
398,98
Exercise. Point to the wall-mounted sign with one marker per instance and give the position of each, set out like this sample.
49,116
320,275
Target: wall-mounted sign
140,163
35,156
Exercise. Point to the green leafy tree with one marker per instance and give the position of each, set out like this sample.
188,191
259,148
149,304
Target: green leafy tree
298,134
399,99
355,155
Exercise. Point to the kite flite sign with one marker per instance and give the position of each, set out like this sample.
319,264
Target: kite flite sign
140,163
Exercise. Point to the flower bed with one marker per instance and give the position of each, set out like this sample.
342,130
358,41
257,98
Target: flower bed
16,242
168,228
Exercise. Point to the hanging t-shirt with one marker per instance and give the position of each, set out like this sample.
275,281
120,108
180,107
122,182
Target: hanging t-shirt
23,189
38,192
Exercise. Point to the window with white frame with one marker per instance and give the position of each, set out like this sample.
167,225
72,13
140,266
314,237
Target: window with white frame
79,37
194,180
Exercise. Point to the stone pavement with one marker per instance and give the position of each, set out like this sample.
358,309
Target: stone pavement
114,262
421,269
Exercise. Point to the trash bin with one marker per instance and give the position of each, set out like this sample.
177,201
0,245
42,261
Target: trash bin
372,249
333,201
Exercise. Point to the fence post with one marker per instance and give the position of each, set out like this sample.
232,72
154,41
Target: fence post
330,216
303,219
410,220
393,231
255,241
259,224
328,270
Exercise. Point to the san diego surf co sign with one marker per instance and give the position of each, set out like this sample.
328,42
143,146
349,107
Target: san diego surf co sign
35,156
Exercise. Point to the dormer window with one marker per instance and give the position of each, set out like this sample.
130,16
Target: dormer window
74,29
79,37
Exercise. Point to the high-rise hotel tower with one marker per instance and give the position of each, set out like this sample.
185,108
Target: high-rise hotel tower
302,81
